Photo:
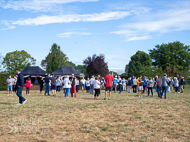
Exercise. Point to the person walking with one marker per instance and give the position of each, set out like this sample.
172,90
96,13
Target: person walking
150,85
140,86
41,84
28,85
158,85
169,83
10,82
53,85
109,83
134,85
115,84
83,81
20,85
88,86
67,86
73,86
91,85
58,84
165,82
47,84
77,84
129,84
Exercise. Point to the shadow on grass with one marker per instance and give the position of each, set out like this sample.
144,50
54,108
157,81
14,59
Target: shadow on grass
6,103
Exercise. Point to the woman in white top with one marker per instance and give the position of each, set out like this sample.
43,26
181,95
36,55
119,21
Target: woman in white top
83,83
176,85
88,86
96,85
67,86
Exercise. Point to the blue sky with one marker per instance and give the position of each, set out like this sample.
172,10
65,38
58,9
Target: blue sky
116,28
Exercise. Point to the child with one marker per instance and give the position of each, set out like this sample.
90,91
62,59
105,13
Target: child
28,85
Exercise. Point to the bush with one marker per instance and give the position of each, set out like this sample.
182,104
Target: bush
3,78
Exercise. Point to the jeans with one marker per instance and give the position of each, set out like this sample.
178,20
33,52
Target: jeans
129,89
164,90
134,88
115,86
87,89
144,88
19,94
47,89
77,88
150,89
91,89
120,88
176,89
158,90
41,87
67,92
73,90
124,87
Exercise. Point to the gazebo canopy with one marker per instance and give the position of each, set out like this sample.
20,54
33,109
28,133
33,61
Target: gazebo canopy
68,70
34,71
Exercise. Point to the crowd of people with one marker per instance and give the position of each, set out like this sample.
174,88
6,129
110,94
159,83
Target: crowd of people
93,86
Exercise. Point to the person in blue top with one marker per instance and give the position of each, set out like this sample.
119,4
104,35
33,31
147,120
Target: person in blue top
47,81
20,85
115,83
144,84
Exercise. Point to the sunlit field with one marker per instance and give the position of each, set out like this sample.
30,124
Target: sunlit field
125,118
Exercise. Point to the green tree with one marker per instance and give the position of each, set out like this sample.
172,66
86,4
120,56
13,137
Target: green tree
113,72
55,59
81,68
17,59
172,55
71,64
138,63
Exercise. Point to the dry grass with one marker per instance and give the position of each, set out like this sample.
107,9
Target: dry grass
125,118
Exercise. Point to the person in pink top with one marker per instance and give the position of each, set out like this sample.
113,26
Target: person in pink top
28,85
109,84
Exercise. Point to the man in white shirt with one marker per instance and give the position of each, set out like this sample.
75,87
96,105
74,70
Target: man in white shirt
91,85
83,81
10,82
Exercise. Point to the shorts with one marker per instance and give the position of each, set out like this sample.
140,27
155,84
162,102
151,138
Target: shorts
140,88
9,88
82,85
109,88
181,86
52,87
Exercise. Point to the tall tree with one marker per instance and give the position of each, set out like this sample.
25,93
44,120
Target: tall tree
96,65
55,59
17,59
172,55
138,63
81,68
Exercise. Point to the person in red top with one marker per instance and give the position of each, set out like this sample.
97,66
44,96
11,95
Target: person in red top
28,85
109,84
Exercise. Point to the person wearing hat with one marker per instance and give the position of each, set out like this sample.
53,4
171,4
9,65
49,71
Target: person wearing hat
73,86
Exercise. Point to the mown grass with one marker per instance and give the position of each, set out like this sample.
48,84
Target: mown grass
125,118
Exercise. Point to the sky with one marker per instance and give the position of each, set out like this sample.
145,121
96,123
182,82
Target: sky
115,28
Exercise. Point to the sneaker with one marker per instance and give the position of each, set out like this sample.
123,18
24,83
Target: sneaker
178,92
24,102
11,95
141,95
19,104
104,98
7,95
28,94
109,99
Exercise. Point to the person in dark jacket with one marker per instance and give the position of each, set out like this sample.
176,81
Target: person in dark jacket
20,85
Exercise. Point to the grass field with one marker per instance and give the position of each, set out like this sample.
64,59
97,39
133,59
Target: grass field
125,118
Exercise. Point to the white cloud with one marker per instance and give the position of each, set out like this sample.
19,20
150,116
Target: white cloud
68,34
159,22
7,24
38,5
8,28
43,20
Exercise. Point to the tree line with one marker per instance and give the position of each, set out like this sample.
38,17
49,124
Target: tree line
172,58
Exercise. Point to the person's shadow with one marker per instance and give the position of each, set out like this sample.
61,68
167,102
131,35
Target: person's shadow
6,103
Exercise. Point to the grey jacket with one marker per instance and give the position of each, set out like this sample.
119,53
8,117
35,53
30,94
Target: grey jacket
165,81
